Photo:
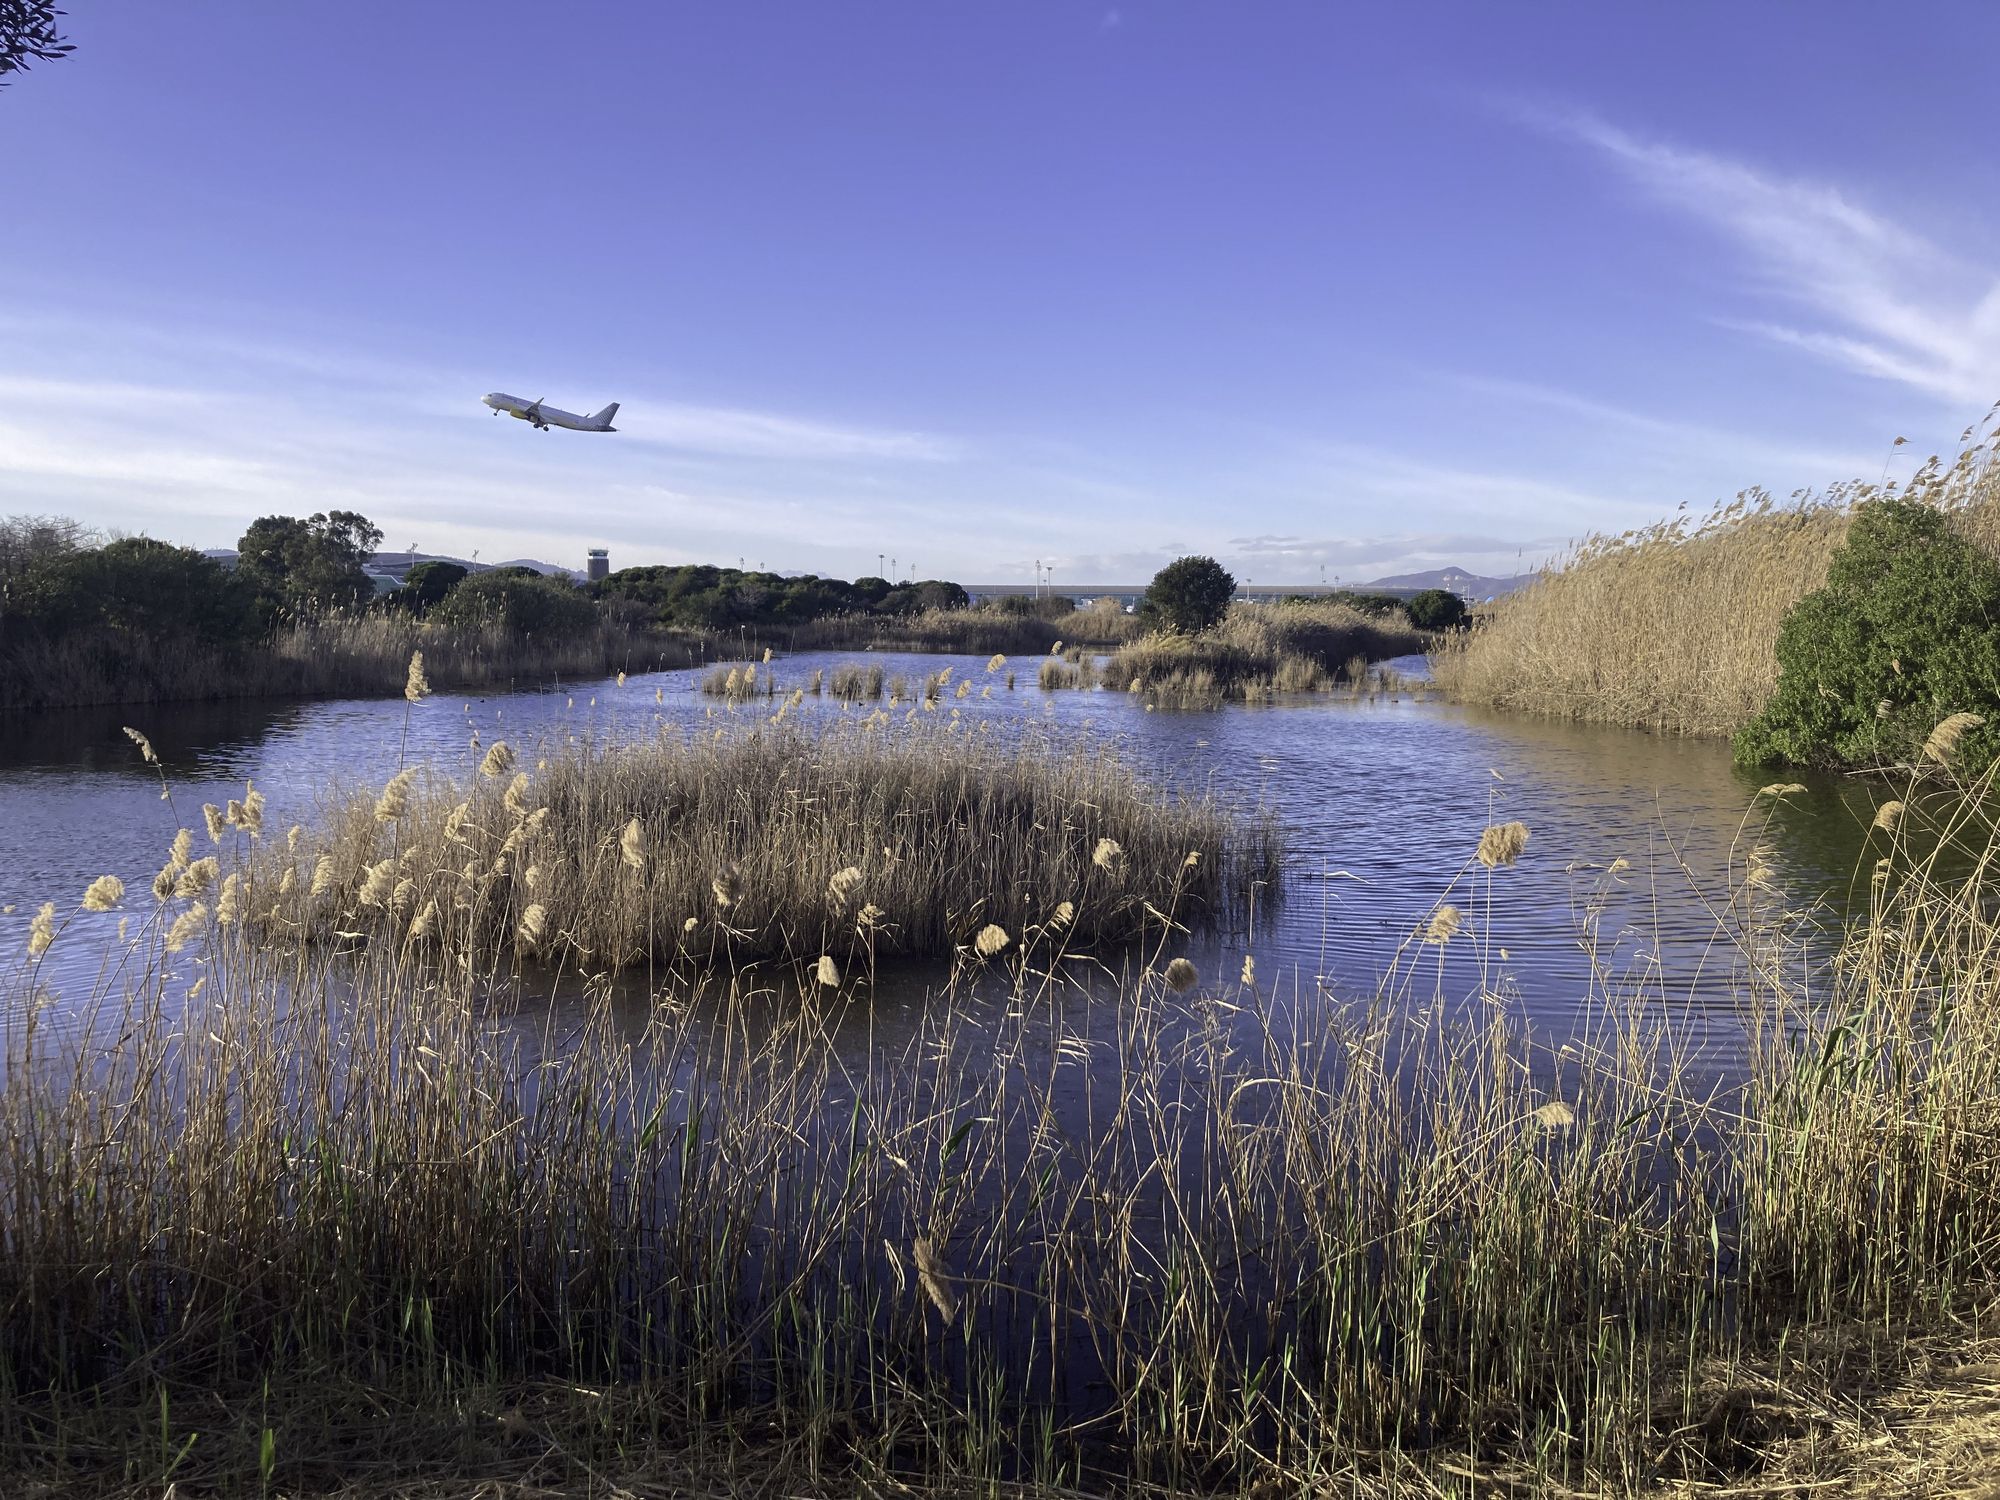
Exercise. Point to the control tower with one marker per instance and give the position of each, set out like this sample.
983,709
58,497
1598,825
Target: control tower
599,565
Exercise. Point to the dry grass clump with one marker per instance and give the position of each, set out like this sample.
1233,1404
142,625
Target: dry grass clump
1674,627
328,1213
1056,673
739,683
856,684
1258,650
721,848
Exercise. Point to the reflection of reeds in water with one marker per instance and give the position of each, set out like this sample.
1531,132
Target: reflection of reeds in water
1398,1246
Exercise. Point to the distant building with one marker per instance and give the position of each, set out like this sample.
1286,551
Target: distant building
600,564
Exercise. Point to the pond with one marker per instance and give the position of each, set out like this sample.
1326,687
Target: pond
1383,796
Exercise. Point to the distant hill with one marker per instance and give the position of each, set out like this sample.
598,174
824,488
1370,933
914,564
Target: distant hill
1456,579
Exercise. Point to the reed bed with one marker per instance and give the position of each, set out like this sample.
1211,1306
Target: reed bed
330,656
950,632
864,841
1258,650
856,684
1674,627
277,1218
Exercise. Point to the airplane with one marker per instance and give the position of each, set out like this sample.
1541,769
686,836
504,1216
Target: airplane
545,417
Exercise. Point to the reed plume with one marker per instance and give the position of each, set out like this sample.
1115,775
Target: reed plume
104,893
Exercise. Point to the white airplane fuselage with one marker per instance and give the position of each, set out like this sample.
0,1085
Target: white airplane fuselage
546,417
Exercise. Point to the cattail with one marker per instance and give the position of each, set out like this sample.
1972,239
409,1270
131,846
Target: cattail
842,885
1501,844
516,798
252,816
42,930
727,886
534,925
395,799
163,883
1443,925
227,904
215,824
1887,816
992,938
632,845
104,893
1181,976
416,687
182,850
186,927
145,745
322,875
1108,855
1944,739
376,882
499,760
197,878
828,972
931,1275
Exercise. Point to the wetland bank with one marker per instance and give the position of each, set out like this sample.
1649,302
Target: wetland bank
1030,1088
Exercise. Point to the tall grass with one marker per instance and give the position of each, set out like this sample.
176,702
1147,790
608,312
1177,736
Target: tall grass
1674,627
864,841
334,655
330,1214
1258,650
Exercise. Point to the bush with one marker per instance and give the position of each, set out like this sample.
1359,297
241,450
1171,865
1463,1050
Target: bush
1437,609
520,606
1902,635
426,586
1189,595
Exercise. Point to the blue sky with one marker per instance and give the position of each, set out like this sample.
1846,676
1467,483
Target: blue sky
1355,287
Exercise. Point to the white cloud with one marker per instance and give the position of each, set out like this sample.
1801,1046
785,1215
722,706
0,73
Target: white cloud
1893,304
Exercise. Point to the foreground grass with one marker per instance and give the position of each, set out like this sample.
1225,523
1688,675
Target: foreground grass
1258,650
332,656
1674,627
334,1218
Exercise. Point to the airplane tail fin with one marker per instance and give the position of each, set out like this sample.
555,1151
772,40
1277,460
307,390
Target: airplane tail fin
603,419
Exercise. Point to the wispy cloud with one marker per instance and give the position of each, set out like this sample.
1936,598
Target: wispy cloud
1891,303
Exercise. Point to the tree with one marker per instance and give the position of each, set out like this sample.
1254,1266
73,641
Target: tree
28,35
296,567
1905,632
1437,609
426,585
1189,595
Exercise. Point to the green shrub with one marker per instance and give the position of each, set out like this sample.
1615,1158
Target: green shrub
520,606
1902,635
1436,609
1189,595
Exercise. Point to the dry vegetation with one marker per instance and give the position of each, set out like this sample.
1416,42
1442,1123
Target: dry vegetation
1674,627
869,840
282,1218
1259,650
332,656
